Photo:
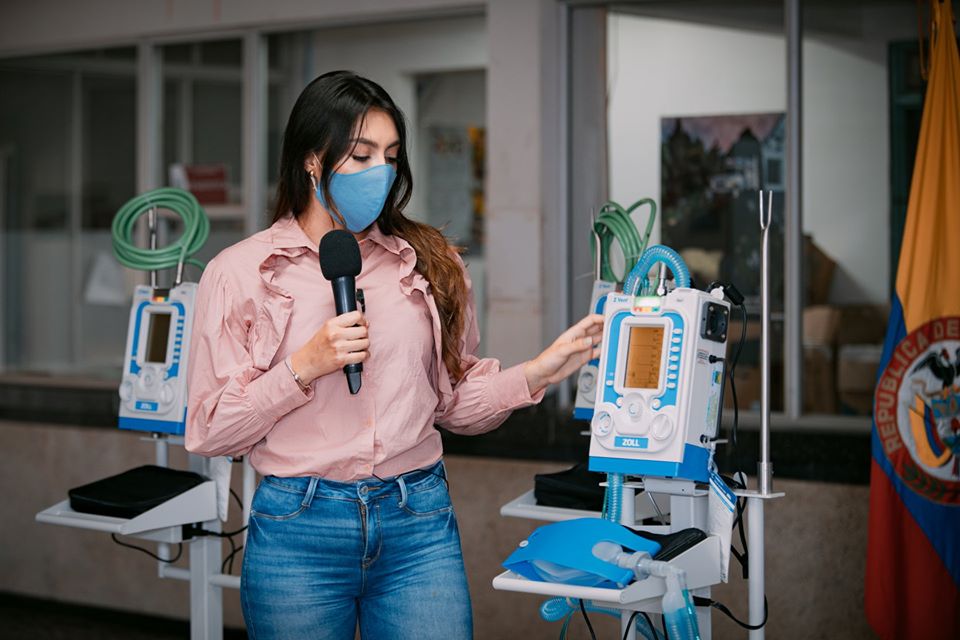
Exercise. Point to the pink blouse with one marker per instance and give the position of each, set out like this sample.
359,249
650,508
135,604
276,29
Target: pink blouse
263,298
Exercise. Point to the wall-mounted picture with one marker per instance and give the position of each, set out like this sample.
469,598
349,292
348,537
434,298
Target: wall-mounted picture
711,169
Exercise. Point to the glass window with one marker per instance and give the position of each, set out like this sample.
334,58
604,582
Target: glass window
203,123
68,132
851,123
67,136
700,134
451,133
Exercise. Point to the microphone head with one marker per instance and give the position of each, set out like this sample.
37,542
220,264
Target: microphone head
339,255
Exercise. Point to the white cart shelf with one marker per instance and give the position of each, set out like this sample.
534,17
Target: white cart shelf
162,523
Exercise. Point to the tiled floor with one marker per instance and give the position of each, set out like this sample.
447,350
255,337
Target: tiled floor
31,619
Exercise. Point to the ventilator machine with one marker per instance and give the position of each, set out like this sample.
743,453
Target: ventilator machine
153,389
653,401
660,385
175,509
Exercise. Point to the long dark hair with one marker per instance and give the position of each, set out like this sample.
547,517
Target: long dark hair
322,122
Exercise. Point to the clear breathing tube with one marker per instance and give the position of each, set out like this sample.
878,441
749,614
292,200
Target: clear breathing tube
636,282
556,609
680,616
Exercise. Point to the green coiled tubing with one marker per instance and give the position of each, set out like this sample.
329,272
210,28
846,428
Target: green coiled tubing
196,230
614,222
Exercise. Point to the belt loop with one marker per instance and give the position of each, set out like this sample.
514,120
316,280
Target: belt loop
311,489
403,492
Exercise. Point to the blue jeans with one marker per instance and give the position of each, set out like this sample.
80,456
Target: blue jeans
323,556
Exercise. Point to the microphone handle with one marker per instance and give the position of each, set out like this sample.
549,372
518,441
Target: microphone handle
345,294
345,299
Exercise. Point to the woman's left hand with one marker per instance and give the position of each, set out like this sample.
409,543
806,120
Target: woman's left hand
574,348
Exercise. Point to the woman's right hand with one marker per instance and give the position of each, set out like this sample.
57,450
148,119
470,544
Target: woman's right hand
340,341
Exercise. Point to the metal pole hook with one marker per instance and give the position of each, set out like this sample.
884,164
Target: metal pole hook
766,215
596,244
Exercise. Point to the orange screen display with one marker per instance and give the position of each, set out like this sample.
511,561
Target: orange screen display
643,357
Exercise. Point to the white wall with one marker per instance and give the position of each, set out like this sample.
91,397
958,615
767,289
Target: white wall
393,55
663,67
48,25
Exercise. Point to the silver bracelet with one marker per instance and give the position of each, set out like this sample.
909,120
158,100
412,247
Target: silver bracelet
300,383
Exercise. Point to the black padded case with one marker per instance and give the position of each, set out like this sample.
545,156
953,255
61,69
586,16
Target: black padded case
128,494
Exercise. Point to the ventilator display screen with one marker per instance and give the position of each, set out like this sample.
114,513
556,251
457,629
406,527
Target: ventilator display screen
643,358
157,333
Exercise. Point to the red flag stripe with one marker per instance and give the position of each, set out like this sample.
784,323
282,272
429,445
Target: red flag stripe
907,595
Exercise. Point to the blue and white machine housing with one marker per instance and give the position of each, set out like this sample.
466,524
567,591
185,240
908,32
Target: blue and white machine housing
661,377
153,390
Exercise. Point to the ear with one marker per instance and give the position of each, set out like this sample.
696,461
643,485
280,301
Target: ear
311,164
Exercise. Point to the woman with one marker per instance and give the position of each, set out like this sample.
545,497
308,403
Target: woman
352,522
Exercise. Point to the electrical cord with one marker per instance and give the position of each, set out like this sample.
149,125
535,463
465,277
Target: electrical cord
196,230
228,561
586,619
237,498
732,370
737,299
653,630
199,532
633,616
148,552
626,631
743,558
234,549
614,222
722,608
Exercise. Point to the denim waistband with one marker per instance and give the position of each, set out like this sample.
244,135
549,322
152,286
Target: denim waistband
410,481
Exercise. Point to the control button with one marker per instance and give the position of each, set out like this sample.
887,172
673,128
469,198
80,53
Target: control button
126,390
673,367
671,376
655,404
619,402
677,341
147,379
662,428
678,332
602,423
671,385
634,405
674,349
166,394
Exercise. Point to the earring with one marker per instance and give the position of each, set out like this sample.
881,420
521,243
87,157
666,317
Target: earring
313,180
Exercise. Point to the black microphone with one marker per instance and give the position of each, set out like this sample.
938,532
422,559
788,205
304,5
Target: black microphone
340,263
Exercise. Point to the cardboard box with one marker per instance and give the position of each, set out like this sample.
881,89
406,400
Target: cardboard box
819,382
861,324
818,273
747,379
857,366
857,403
820,325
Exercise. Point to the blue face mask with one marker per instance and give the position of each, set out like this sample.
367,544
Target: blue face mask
360,196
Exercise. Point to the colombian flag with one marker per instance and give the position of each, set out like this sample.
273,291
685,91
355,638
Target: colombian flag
913,551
